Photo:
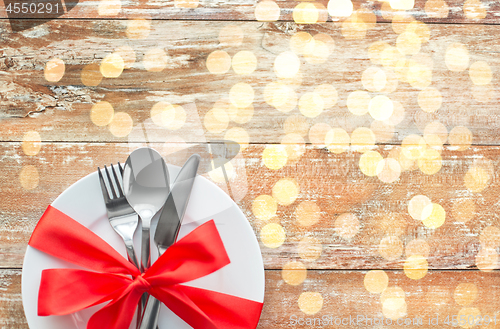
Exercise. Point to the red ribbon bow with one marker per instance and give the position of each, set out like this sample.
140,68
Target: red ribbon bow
114,279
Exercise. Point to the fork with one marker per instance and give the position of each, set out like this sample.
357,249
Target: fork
122,217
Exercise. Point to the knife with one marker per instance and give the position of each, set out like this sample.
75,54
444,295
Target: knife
168,226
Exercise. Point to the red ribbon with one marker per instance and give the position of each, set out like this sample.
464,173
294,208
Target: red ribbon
112,278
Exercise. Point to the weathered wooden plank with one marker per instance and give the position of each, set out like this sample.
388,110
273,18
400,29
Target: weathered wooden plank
330,184
450,11
60,110
343,295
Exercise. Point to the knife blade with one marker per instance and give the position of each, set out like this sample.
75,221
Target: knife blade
169,224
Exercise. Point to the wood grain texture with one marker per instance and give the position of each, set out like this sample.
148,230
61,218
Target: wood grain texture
333,182
244,10
60,111
343,295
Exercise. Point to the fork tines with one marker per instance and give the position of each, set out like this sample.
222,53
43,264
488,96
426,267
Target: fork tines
116,187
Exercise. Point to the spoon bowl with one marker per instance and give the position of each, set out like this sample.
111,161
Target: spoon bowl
146,186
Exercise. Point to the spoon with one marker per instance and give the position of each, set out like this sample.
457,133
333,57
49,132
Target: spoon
146,186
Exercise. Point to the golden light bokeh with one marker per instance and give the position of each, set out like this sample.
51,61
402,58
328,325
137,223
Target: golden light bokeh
296,124
310,302
309,249
222,176
383,131
420,29
417,205
91,75
328,94
376,281
430,162
311,104
167,115
302,43
281,96
294,273
305,13
32,143
102,113
398,114
474,9
189,4
472,313
244,62
368,163
417,247
358,102
231,36
388,170
264,207
476,179
286,65
29,177
413,146
216,120
390,247
373,79
218,62
465,293
121,125
353,28
317,134
490,237
487,260
267,11
375,51
286,191
436,8
54,70
433,215
239,135
241,95
240,115
307,213
274,157
402,4
347,225
430,99
436,128
340,8
337,140
362,139
272,235
480,73
112,66
155,60
380,107
416,267
295,146
109,7
463,210
457,57
408,43
393,303
460,138
400,21
138,28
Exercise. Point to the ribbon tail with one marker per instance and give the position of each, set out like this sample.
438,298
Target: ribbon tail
118,314
65,291
201,308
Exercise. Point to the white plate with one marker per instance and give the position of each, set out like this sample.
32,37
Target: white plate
243,277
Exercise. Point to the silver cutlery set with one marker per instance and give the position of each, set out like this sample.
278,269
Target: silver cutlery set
139,191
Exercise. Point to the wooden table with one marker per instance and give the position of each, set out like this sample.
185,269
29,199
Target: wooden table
349,220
